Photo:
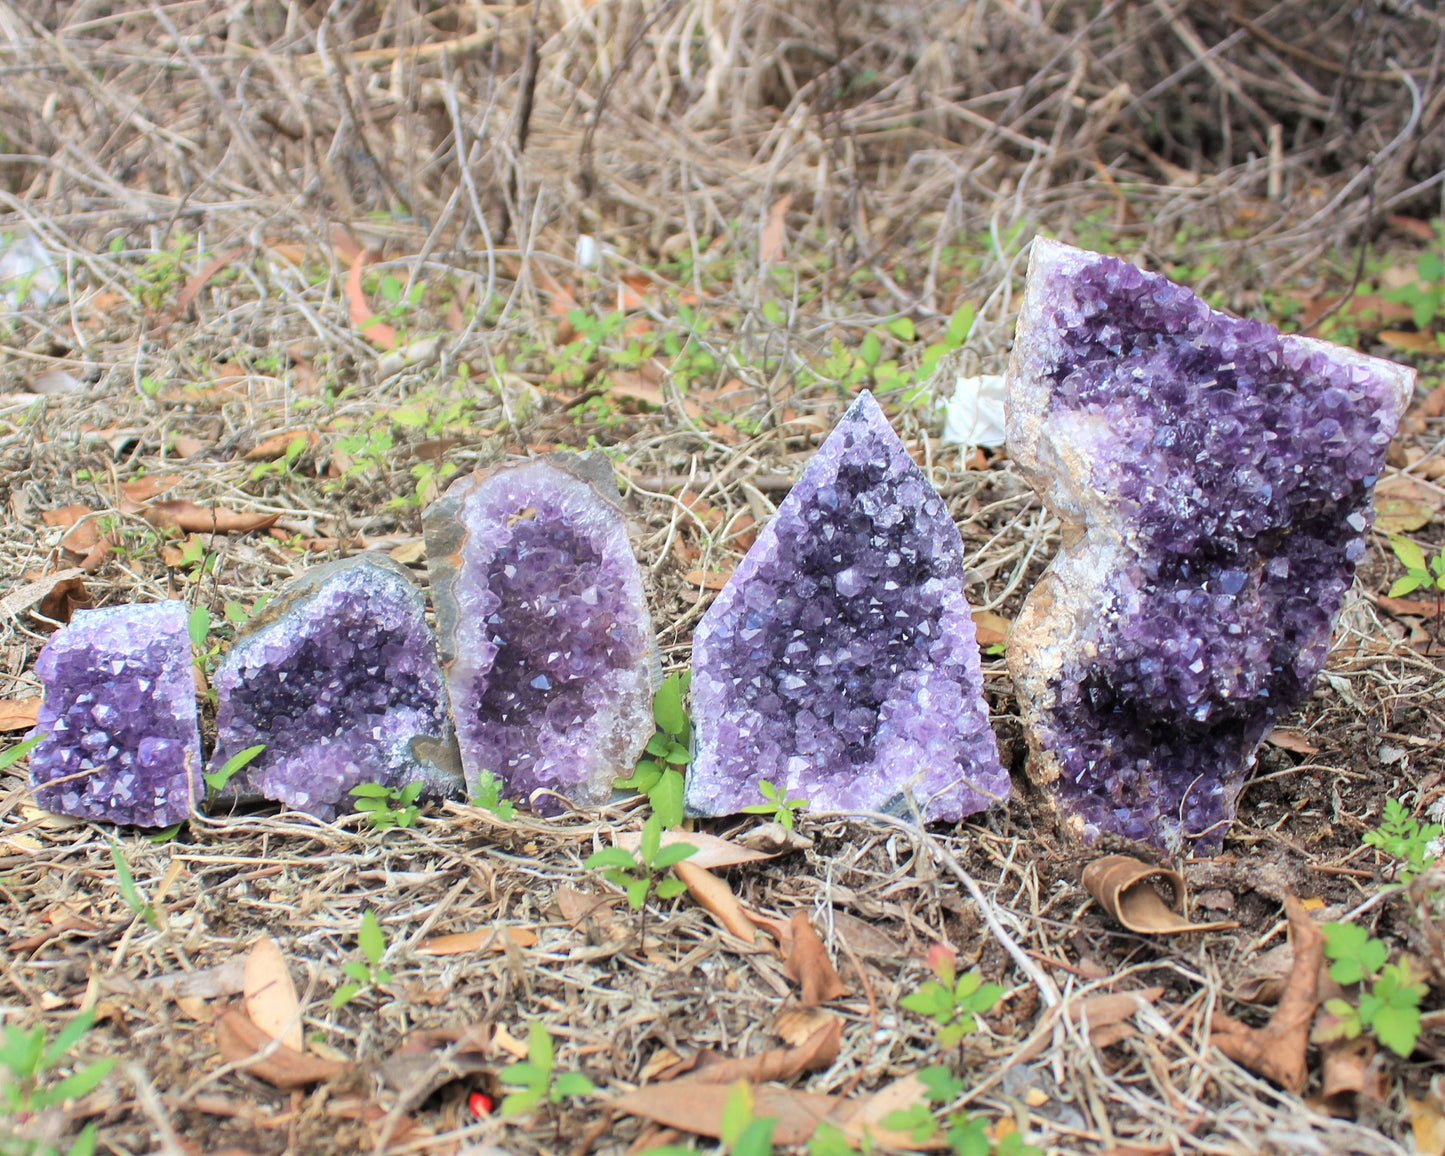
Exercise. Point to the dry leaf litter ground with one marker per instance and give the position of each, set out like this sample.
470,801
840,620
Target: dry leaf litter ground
310,260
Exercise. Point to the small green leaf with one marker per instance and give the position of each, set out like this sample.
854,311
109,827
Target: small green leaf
737,1112
1409,554
943,1086
574,1084
670,888
678,755
525,1075
672,853
1398,1028
618,857
357,970
666,798
539,1047
870,350
88,1077
1430,266
217,780
637,892
66,1039
901,328
344,995
370,938
84,1144
659,744
370,791
1406,584
19,750
125,881
520,1103
198,625
959,326
667,707
236,613
651,840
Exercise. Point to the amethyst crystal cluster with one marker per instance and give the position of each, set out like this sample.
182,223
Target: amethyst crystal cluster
545,634
1218,476
839,662
338,679
119,739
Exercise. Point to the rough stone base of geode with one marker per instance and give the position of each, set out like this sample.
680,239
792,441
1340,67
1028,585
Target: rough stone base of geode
546,640
1215,479
840,663
338,679
119,741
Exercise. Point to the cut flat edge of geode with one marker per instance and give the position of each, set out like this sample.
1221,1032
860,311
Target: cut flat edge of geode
163,691
1069,450
417,743
583,480
952,773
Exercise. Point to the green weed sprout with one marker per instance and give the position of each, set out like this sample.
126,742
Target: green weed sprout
964,1135
659,776
953,1002
1426,296
1419,573
125,883
386,807
1401,836
216,780
366,972
19,751
1389,1007
781,809
537,1078
25,1057
488,796
637,874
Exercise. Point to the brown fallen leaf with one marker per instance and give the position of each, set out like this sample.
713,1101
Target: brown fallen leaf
483,939
271,1002
1407,607
817,1051
187,516
18,714
193,287
867,941
238,1040
1403,503
808,964
862,1121
695,1106
65,596
1124,887
770,248
576,906
1409,341
80,521
992,629
144,489
796,1025
707,579
1277,1050
712,851
279,444
1101,1013
358,309
188,447
717,897
1288,739
429,1058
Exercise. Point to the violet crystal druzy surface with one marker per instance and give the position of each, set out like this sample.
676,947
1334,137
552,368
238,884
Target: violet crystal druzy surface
1217,477
839,663
120,740
338,678
545,635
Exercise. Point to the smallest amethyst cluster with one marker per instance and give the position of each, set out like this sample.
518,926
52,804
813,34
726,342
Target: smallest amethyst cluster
119,738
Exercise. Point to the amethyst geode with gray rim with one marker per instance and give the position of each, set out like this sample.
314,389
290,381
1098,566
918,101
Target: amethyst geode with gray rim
840,661
1217,478
546,639
118,723
337,677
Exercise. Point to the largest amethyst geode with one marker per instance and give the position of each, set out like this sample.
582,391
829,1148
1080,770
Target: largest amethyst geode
546,639
839,663
1217,478
119,739
337,678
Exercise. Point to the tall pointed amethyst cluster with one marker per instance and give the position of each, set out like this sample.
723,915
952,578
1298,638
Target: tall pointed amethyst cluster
840,662
545,634
1218,476
119,739
338,679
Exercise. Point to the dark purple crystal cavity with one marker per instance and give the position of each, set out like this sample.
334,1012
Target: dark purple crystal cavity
545,635
840,660
119,718
338,678
1221,474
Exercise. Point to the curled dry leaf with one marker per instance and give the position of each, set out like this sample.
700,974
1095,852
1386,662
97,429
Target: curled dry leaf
1124,887
194,519
271,1001
695,1106
483,939
717,897
797,1025
817,1051
707,579
239,1040
774,839
359,310
808,964
278,444
711,850
1287,739
1277,1050
992,629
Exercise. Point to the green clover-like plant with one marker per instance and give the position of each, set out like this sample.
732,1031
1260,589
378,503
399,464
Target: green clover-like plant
488,796
637,873
783,810
386,807
659,774
953,1002
367,971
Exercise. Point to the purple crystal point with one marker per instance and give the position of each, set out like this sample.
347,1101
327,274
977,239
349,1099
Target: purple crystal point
550,657
338,678
1219,475
839,662
120,741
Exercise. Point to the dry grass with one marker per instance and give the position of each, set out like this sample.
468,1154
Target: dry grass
914,150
